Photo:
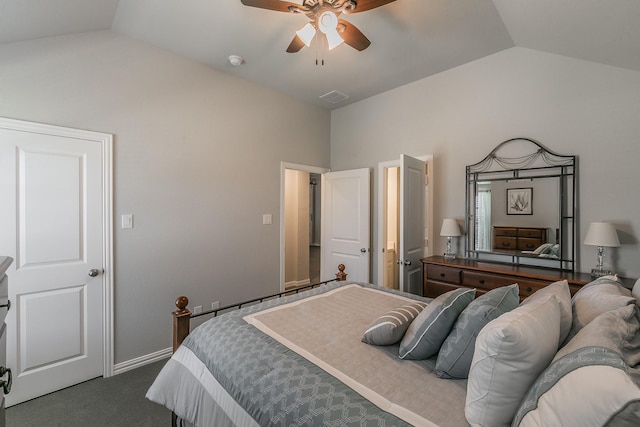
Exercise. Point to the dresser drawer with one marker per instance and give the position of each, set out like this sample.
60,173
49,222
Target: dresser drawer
492,281
486,281
434,288
501,242
528,244
505,231
535,233
444,274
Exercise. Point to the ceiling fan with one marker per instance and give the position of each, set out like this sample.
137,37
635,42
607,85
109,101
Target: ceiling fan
324,17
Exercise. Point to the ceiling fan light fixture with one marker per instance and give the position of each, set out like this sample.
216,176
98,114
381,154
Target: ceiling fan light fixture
328,24
306,34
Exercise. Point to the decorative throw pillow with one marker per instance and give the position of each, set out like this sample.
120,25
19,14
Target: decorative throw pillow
510,352
597,297
456,353
589,383
389,328
560,290
426,334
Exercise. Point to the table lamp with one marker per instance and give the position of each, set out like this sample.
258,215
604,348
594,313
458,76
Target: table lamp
601,234
450,228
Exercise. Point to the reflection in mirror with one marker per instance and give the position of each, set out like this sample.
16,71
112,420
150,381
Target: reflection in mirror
521,205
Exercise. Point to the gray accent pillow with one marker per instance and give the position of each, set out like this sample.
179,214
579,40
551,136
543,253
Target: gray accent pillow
454,359
427,333
389,328
597,297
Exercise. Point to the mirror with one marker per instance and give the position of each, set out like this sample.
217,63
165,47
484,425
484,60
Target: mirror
520,206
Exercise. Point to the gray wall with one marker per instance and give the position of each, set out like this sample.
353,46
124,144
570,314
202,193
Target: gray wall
570,106
197,157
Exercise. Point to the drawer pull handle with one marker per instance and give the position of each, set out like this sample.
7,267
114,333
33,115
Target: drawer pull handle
528,289
6,385
441,274
481,281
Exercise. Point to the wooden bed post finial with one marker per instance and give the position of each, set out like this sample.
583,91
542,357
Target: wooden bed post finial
181,319
341,275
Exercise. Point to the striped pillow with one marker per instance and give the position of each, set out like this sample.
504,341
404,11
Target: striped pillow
389,328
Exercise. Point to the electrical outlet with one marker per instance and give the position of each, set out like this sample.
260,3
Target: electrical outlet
197,309
215,305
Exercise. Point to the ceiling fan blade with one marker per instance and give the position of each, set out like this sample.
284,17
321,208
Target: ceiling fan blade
295,45
352,35
364,5
277,5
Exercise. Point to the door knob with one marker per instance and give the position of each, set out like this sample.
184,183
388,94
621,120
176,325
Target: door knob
363,250
6,385
407,262
94,272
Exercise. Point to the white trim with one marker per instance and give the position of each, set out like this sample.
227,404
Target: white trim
106,142
283,167
141,361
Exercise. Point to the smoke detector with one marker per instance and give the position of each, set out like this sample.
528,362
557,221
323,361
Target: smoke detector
236,60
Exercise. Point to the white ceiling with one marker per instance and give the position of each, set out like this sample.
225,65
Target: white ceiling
410,39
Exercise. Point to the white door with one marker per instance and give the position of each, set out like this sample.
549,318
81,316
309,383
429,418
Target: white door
345,224
412,194
52,223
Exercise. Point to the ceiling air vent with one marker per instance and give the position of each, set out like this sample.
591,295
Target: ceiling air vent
334,97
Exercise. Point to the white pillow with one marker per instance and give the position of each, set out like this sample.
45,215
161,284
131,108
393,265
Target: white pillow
597,297
560,290
591,380
511,352
636,291
605,394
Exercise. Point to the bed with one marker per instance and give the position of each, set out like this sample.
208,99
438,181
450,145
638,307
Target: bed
321,357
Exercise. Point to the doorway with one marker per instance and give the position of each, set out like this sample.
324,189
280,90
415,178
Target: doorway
405,230
300,229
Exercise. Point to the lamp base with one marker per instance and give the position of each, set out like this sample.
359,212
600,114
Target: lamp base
599,272
449,256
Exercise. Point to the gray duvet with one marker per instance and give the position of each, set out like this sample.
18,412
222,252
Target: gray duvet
231,373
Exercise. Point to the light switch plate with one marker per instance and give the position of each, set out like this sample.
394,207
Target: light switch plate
127,221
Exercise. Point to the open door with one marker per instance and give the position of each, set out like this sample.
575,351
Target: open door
412,223
346,224
404,216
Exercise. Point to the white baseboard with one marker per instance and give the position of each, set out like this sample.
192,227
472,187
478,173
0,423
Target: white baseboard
141,361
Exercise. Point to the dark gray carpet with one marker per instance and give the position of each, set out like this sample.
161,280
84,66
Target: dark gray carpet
114,401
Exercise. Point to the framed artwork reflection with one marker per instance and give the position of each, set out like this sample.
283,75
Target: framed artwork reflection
520,201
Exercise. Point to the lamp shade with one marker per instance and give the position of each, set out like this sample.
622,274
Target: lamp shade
602,234
450,228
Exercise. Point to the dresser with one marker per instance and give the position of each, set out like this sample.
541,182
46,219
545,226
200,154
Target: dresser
518,238
5,305
440,276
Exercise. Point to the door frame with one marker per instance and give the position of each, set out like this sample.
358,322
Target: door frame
299,167
106,143
380,243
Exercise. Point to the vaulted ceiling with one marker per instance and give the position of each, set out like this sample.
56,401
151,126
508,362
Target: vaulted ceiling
410,39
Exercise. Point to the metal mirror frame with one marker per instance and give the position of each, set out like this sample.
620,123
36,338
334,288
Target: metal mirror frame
537,164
